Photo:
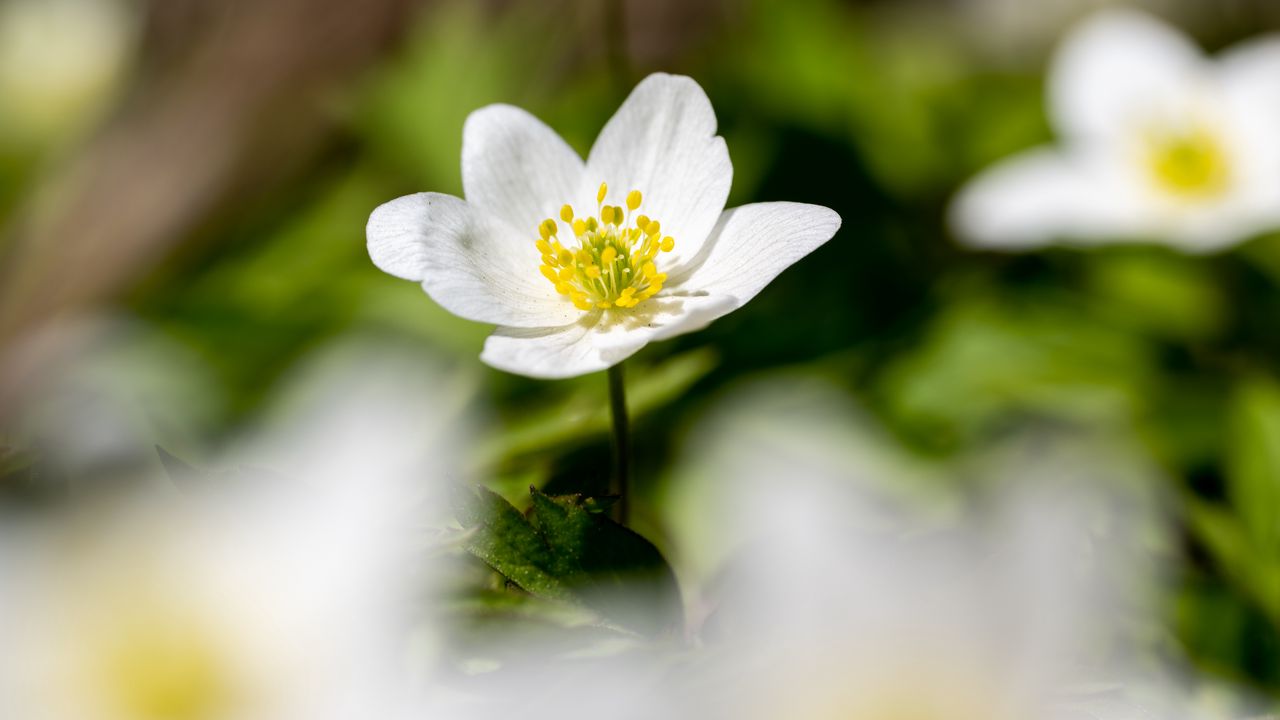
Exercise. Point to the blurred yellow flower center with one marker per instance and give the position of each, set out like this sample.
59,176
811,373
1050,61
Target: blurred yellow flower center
612,260
156,668
1189,163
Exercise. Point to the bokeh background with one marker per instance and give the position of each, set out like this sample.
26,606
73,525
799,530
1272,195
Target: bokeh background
184,186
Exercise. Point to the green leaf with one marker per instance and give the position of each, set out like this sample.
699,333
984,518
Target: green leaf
611,567
1253,462
505,540
1226,539
571,551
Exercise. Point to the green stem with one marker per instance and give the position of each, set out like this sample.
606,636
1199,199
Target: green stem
621,441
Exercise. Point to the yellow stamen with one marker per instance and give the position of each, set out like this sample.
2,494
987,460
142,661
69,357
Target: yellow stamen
614,263
1190,163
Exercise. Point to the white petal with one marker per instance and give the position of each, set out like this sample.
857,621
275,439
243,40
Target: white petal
1041,196
752,244
516,167
1120,71
599,340
663,142
1249,78
473,264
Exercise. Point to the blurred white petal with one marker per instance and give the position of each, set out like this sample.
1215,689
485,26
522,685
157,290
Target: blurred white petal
1040,197
1118,71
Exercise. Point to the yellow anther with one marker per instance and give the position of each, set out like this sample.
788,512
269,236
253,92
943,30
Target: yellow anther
611,262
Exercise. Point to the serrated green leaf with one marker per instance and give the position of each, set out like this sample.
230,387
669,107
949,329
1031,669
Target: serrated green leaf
615,570
573,552
505,540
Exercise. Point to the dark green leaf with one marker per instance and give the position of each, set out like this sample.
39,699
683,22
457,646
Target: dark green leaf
573,552
612,568
505,540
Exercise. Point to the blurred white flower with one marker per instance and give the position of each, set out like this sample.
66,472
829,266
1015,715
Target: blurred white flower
59,61
1158,143
247,604
287,593
578,284
849,599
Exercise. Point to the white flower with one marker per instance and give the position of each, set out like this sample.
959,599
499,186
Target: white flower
847,597
265,597
1157,143
582,264
243,606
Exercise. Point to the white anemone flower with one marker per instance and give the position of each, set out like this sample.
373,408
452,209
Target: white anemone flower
1158,143
269,596
845,597
582,264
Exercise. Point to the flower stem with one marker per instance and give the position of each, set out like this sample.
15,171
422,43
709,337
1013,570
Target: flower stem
621,441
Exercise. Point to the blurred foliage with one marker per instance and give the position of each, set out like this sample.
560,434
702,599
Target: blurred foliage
870,108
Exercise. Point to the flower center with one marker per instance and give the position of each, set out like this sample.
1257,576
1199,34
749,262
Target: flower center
162,669
612,260
1188,163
